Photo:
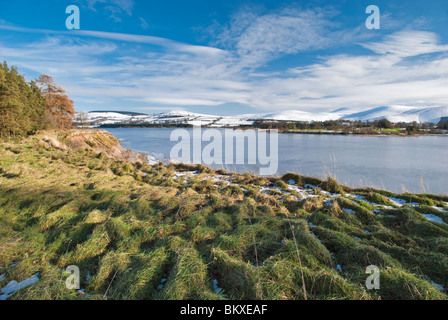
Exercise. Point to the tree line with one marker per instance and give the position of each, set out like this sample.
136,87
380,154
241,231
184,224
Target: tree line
26,107
364,127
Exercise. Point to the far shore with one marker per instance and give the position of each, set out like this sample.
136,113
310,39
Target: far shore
323,132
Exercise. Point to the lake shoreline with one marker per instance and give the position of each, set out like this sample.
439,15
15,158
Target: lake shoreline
390,134
394,163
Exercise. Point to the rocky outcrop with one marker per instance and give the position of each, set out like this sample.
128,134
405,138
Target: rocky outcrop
98,141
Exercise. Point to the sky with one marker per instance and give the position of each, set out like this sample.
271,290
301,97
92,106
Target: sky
233,57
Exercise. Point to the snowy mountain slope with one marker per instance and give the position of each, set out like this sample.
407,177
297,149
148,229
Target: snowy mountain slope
400,114
388,112
392,113
428,114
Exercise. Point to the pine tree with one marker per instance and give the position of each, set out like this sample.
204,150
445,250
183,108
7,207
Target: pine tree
22,105
11,103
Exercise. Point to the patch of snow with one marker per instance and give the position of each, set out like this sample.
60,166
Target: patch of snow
433,218
440,209
349,211
304,193
339,268
14,286
356,196
398,202
291,182
178,175
2,277
151,159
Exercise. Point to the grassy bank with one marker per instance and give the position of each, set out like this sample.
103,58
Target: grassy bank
177,232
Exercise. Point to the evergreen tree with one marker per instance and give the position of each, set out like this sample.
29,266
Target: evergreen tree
22,104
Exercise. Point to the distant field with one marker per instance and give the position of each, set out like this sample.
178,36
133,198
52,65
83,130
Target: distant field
178,232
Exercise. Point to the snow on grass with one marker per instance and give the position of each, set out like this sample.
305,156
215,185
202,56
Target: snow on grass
349,211
362,198
178,175
355,196
304,193
433,218
2,277
440,209
186,174
400,202
14,286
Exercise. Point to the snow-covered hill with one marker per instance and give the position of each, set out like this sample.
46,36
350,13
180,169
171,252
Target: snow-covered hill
401,114
392,113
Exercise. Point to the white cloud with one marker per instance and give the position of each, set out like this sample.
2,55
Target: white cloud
408,43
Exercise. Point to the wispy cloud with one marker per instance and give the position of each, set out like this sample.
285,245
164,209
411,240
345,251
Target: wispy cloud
115,8
405,67
258,37
408,43
143,23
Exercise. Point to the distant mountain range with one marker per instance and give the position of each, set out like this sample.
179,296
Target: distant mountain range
392,113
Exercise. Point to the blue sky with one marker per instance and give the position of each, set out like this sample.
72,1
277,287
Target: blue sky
233,57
